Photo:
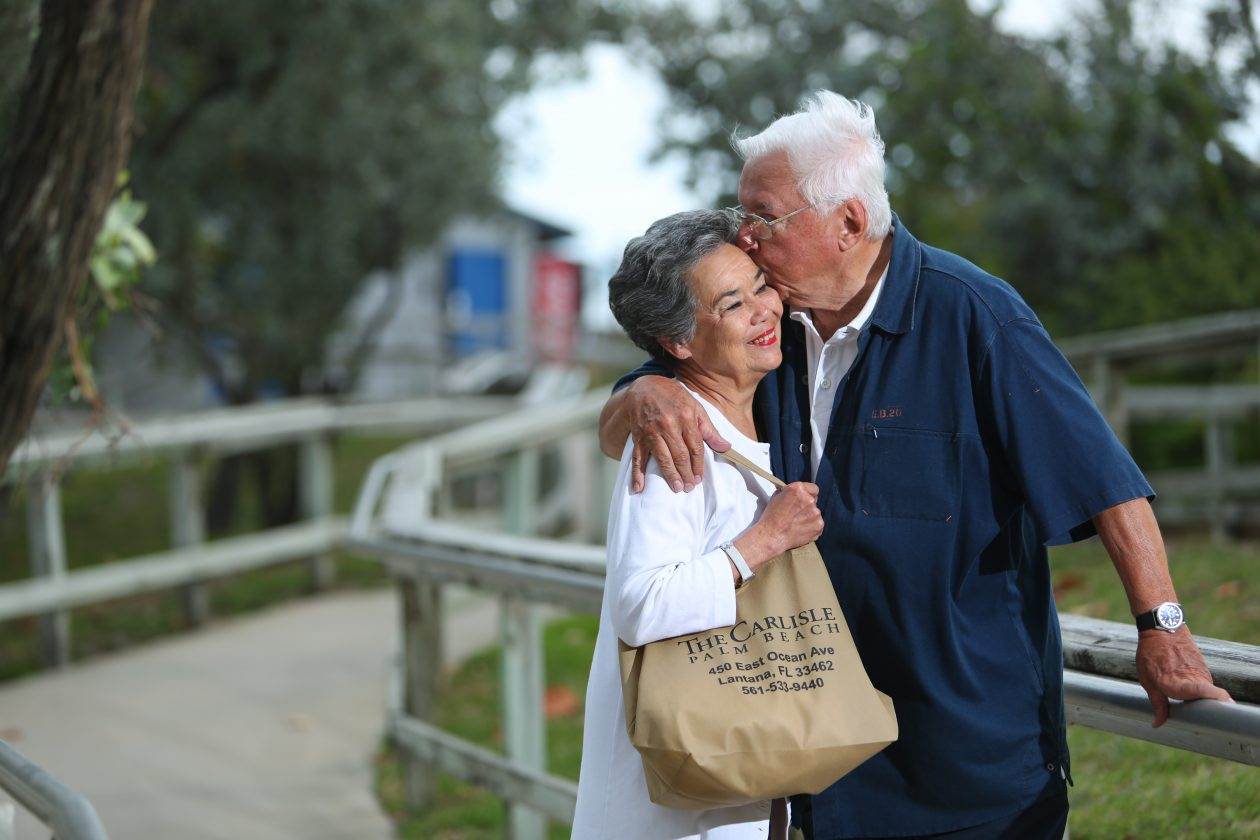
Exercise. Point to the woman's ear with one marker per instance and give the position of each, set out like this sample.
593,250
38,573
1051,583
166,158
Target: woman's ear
675,349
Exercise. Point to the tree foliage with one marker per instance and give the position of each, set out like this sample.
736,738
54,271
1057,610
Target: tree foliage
291,147
1095,170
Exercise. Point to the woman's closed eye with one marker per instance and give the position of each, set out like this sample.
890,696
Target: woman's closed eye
760,290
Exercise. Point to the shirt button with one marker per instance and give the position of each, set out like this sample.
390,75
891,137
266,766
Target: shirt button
826,383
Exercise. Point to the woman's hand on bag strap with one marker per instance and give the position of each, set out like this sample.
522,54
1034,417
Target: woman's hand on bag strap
790,520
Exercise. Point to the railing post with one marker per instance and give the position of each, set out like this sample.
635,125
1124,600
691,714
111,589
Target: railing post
46,538
581,474
1218,450
315,495
420,608
608,469
1109,395
188,526
520,491
524,726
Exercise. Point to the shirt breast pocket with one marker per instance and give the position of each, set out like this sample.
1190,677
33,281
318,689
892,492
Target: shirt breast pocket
909,473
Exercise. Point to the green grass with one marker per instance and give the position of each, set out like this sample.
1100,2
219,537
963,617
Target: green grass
470,707
1127,788
122,512
1124,788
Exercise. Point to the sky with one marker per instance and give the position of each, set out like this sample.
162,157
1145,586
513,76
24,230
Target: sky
579,150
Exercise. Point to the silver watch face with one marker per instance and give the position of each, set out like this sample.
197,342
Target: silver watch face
1169,616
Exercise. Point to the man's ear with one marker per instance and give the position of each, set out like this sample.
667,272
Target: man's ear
673,348
851,224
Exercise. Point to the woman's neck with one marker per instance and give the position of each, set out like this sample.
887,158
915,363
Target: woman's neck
731,397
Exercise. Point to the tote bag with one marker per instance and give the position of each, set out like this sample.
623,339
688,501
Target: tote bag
774,705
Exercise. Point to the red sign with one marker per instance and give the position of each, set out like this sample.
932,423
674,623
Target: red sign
556,307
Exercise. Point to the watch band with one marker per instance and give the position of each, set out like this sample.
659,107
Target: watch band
741,565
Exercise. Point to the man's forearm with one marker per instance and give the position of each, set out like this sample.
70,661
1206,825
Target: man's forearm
1131,535
614,425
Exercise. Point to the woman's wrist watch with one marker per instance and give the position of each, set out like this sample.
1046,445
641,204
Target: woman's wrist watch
1168,616
738,561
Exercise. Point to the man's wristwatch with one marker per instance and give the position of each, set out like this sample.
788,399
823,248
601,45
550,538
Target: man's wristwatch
1167,616
737,559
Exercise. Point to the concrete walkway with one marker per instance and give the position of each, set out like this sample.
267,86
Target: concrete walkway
256,727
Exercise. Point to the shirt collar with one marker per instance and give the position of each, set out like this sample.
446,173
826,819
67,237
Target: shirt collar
895,311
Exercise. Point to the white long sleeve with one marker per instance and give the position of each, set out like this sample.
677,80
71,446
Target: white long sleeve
666,581
666,577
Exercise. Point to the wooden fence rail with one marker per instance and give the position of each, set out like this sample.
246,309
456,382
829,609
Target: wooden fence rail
406,516
186,442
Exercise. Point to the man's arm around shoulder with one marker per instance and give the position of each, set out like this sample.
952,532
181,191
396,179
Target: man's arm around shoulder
667,423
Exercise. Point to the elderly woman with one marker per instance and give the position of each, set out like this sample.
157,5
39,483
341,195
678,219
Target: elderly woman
696,302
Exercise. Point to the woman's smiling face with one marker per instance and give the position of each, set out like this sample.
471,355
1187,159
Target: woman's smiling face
737,318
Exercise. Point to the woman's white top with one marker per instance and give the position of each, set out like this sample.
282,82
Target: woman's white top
667,577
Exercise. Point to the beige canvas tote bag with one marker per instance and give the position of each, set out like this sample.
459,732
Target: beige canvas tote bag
774,705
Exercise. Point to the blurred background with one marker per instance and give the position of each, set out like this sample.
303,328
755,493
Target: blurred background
416,206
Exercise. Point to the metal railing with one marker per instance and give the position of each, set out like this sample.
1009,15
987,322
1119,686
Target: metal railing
67,813
407,516
186,442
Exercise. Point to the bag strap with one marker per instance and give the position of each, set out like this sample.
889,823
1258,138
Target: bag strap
740,461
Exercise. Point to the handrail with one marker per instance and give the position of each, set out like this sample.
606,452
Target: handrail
1225,730
169,569
404,517
186,440
1171,338
69,814
251,427
1094,648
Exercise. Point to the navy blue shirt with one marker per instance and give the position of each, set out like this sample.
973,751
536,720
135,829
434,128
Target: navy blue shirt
961,444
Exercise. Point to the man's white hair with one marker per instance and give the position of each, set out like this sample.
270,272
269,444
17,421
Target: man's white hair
835,152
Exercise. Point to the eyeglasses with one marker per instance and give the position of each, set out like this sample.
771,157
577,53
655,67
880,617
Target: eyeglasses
760,227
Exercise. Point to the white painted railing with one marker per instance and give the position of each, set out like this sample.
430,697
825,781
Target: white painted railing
407,515
185,441
67,813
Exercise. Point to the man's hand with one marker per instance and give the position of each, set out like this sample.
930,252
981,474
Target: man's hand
668,424
1170,666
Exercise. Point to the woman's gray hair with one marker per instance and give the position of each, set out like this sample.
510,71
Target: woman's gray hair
649,294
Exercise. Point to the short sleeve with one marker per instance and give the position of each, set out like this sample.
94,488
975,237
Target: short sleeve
652,367
1060,451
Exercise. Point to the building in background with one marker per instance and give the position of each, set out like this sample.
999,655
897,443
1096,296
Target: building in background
483,306
477,310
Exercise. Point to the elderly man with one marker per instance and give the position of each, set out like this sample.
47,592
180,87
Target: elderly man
951,443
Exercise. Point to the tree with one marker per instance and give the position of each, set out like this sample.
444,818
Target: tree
1094,170
58,172
291,148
